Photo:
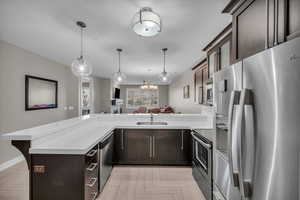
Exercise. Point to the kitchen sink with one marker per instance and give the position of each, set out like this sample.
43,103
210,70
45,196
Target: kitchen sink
151,123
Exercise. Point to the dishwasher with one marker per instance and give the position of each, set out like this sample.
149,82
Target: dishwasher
105,159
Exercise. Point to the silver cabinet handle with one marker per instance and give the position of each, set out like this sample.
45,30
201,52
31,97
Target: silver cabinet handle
94,195
153,146
122,139
92,153
150,146
246,133
182,140
92,166
93,182
234,100
208,146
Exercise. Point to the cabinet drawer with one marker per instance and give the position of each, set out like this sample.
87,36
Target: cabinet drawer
91,186
92,156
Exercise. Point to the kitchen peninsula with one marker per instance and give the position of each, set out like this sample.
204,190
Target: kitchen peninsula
72,159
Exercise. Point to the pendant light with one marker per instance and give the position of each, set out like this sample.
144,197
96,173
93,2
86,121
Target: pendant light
146,23
164,75
80,67
147,86
119,76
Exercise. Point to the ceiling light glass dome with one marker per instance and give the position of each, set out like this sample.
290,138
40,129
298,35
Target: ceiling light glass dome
146,23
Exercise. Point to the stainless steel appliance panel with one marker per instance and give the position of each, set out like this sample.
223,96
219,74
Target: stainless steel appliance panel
225,81
202,164
273,77
222,178
106,160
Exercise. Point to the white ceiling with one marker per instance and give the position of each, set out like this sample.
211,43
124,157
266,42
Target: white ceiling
47,28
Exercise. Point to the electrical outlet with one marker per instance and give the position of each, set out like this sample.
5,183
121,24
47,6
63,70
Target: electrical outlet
40,169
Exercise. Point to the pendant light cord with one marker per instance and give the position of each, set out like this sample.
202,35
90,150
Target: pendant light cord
119,52
164,61
81,44
164,52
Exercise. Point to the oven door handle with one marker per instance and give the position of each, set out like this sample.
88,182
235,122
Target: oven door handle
208,146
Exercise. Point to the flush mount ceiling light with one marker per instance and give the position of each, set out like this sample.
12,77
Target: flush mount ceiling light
147,86
80,67
164,75
146,23
119,76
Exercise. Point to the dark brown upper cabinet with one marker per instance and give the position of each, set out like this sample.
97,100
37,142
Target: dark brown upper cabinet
219,51
262,24
290,10
200,79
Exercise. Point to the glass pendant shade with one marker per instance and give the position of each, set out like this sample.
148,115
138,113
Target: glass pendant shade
81,68
146,23
119,77
164,77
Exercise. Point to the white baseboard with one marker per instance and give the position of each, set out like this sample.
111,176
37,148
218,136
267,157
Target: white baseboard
11,162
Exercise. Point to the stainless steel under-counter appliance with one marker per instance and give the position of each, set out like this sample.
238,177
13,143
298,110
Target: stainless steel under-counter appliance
263,123
202,163
106,159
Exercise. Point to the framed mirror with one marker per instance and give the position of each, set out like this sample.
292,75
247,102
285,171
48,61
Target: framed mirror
40,93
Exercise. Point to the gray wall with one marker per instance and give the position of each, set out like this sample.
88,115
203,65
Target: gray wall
14,64
163,95
102,94
176,99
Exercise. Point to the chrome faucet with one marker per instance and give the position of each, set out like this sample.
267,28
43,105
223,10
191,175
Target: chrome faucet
151,117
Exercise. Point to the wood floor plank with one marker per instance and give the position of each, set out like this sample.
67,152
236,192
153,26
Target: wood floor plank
125,182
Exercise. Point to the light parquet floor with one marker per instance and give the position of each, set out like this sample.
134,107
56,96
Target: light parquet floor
125,183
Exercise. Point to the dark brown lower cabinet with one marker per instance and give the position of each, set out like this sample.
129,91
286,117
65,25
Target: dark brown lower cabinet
153,146
166,146
62,177
77,177
119,146
138,146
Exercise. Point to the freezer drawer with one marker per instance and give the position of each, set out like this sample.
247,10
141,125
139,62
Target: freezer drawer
222,178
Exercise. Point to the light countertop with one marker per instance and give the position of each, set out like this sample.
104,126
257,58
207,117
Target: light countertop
79,135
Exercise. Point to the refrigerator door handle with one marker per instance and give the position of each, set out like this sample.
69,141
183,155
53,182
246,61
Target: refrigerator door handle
246,142
232,140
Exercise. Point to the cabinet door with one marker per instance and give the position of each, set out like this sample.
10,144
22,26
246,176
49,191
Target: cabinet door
166,146
249,29
119,146
198,86
293,15
225,55
138,146
212,63
185,152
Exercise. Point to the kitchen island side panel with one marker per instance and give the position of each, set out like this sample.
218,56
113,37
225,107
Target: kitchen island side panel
58,177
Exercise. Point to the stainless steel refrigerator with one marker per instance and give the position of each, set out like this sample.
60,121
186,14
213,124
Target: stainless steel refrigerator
260,99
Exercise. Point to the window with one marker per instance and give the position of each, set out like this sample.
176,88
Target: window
137,97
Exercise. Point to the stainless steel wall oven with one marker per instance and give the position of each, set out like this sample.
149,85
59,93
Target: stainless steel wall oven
202,164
